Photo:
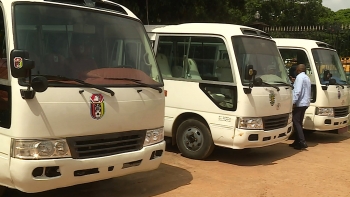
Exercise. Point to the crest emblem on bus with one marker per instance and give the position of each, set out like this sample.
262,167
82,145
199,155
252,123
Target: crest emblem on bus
278,106
272,98
97,106
18,62
339,95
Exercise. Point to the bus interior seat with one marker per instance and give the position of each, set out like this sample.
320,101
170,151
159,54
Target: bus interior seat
54,60
193,69
177,71
54,64
224,70
162,61
3,67
33,49
80,61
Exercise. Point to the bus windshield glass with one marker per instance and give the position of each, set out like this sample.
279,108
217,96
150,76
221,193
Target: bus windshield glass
98,48
328,60
263,55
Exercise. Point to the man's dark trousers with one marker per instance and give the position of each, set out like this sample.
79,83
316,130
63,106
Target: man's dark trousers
298,117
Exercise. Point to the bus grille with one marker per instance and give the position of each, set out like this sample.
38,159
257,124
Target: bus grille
105,144
275,122
341,111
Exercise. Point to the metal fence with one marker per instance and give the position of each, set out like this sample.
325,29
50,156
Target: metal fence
337,35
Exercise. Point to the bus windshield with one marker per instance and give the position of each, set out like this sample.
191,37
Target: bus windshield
98,48
328,60
263,55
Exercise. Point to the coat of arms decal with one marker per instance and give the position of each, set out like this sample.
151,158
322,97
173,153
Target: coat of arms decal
272,98
97,106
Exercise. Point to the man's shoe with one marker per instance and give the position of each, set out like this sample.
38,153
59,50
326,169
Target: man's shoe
293,144
300,146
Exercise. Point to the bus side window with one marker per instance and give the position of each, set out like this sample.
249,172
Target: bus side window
223,96
3,59
5,107
5,91
293,57
194,58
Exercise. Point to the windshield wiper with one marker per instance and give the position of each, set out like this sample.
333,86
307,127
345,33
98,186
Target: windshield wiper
284,83
60,78
342,85
339,85
277,88
333,81
137,82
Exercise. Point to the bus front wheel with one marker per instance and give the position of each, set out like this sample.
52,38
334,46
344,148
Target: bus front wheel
194,139
2,190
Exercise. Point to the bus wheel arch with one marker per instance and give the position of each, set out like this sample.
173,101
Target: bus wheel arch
195,126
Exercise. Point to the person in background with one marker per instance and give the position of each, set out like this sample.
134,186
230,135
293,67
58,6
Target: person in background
301,101
292,72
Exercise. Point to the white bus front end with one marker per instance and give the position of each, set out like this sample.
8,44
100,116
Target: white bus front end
226,85
81,96
329,108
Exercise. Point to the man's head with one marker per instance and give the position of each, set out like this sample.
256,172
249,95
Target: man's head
300,68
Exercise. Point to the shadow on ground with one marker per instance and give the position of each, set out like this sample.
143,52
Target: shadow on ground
267,155
247,157
255,156
326,138
162,180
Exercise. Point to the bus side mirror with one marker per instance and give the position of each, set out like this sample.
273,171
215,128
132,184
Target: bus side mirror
20,63
39,84
258,81
326,75
249,73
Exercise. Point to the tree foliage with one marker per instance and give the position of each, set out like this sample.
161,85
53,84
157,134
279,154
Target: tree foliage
272,13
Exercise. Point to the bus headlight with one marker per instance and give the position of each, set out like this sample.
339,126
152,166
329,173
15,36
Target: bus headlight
40,149
290,118
323,111
251,123
154,136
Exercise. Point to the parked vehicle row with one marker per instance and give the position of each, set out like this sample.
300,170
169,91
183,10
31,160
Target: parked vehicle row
228,86
82,94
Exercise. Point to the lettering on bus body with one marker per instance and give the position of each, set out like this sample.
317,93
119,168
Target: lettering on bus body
224,118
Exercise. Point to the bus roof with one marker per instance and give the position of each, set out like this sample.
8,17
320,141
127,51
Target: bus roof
305,43
206,28
105,5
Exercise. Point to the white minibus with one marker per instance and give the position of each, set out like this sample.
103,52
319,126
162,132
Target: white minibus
81,96
329,108
225,85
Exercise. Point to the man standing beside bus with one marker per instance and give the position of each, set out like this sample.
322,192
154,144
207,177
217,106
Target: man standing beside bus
301,101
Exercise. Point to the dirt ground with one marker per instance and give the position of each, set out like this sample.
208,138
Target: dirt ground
272,171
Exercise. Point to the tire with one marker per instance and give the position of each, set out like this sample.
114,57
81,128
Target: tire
2,190
194,140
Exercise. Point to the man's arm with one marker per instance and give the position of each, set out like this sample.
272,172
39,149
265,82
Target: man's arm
297,89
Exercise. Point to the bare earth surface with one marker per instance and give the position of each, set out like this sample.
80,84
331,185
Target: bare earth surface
278,170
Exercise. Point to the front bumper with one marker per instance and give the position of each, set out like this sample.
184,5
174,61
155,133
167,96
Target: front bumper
72,170
259,138
325,123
